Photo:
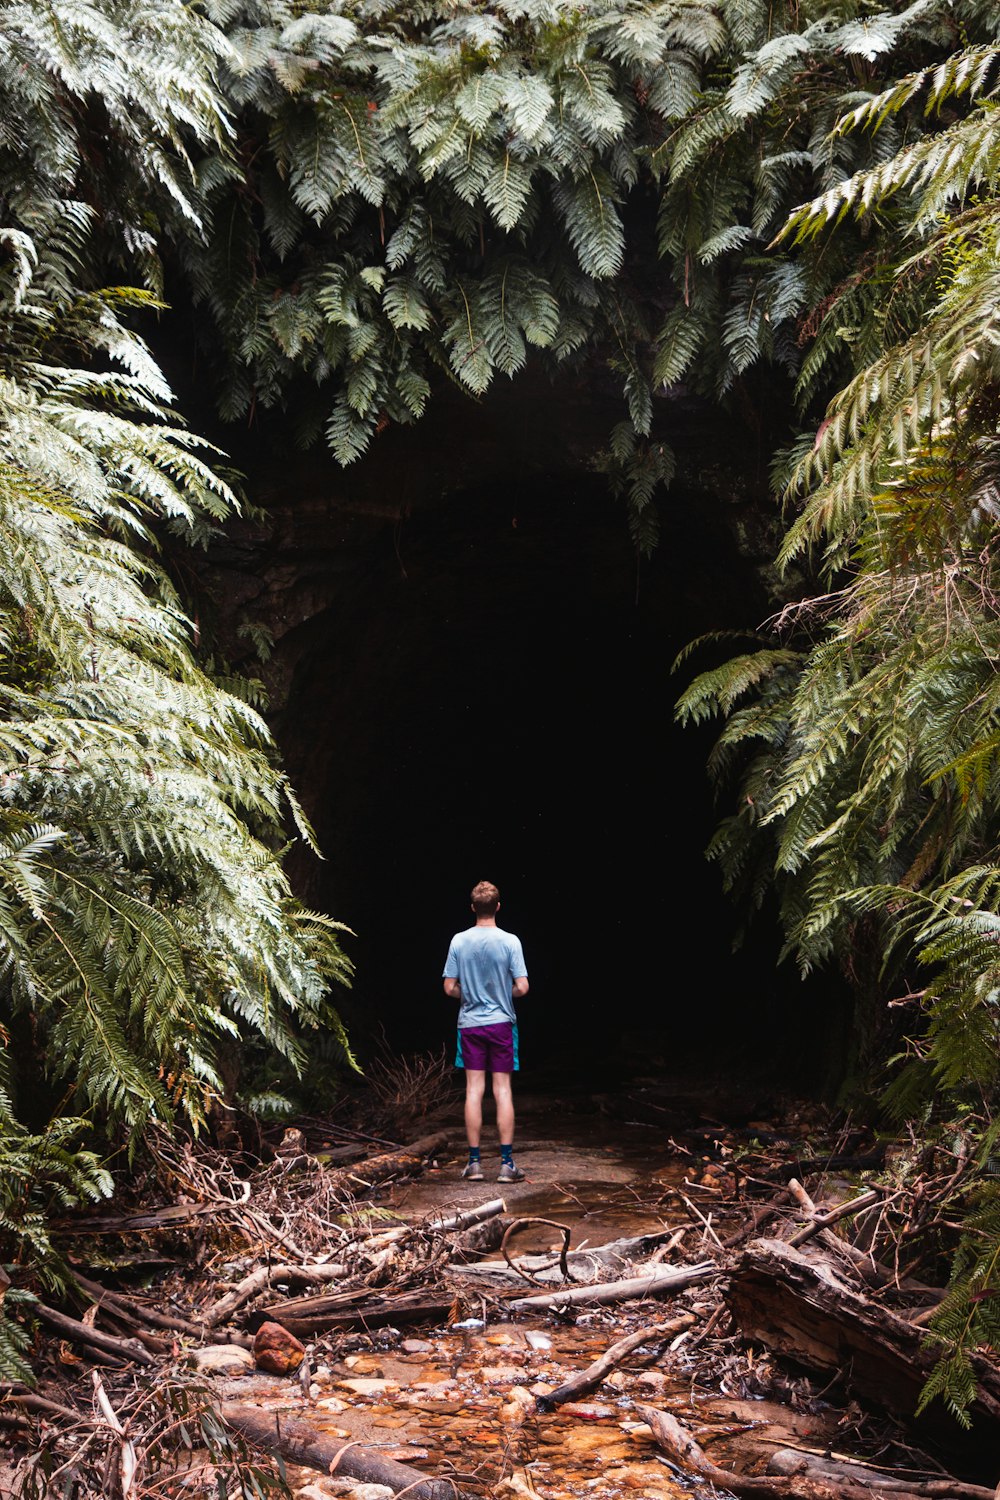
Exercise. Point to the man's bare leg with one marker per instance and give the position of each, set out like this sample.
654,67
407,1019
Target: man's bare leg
505,1108
475,1087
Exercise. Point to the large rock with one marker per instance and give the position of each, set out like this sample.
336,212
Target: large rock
222,1359
277,1350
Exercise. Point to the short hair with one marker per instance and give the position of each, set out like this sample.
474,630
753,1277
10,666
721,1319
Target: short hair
485,899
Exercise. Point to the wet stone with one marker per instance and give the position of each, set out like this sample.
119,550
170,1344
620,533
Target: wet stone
499,1374
588,1411
367,1386
331,1403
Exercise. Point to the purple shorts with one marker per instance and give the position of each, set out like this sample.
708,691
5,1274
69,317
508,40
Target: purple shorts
488,1049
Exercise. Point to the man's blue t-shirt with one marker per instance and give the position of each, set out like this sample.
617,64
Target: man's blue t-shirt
485,961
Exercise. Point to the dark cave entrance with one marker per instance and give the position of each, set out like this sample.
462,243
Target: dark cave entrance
489,696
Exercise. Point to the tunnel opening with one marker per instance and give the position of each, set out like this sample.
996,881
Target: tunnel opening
488,695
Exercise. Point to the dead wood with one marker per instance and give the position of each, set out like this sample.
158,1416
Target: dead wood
677,1442
590,1378
307,1316
800,1306
760,1216
616,1255
298,1443
171,1322
128,1459
853,1472
823,1218
871,1271
127,1350
654,1283
42,1407
481,1239
867,1161
357,1179
157,1218
467,1218
516,1226
258,1280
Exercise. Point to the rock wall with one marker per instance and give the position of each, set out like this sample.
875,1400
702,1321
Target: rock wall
470,678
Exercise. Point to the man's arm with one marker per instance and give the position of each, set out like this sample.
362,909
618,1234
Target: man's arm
453,989
520,987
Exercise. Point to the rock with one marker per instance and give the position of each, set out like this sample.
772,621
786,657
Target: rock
538,1340
515,1488
500,1374
277,1350
416,1346
222,1359
588,1411
368,1387
516,1408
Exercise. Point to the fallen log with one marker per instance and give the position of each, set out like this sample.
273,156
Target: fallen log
844,1472
868,1161
307,1316
653,1283
298,1443
156,1218
481,1239
590,1378
616,1255
467,1218
675,1440
358,1179
799,1305
258,1280
127,1350
171,1322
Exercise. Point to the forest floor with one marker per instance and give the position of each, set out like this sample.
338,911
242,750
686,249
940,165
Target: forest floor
733,1307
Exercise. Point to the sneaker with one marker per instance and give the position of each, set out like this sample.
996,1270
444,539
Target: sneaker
509,1173
473,1172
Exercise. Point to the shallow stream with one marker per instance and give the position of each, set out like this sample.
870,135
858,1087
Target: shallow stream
460,1400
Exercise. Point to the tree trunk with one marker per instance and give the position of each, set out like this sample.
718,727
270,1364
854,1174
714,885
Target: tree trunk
352,1181
799,1305
298,1443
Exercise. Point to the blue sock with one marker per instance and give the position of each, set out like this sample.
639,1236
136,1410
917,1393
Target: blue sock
507,1155
473,1153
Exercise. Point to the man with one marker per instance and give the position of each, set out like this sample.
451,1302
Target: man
485,971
